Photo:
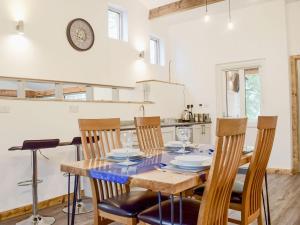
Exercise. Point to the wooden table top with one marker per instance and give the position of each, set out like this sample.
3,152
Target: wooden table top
168,182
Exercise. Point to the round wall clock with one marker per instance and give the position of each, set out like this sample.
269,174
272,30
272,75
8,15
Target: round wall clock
80,34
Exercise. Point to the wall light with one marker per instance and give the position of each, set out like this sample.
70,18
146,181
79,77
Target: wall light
142,54
20,27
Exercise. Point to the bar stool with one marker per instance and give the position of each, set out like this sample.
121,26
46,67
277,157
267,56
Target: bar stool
81,208
34,146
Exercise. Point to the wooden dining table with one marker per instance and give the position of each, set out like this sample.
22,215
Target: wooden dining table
155,179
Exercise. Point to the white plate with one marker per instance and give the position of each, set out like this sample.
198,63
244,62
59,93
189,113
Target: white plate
123,153
193,160
178,164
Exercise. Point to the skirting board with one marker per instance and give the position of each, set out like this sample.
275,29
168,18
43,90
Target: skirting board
279,171
12,213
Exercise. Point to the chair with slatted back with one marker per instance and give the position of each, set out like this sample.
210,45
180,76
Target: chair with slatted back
230,136
246,197
148,132
113,201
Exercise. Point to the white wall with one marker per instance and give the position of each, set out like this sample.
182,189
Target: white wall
260,33
293,18
43,120
44,52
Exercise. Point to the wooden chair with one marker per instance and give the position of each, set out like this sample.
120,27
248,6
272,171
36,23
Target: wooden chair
214,207
99,136
111,201
149,134
247,197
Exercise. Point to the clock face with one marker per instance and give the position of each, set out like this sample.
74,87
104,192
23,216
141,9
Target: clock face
80,34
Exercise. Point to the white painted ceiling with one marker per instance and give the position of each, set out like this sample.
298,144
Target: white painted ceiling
155,3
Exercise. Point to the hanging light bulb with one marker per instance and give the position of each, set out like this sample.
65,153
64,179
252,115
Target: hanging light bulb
230,24
206,17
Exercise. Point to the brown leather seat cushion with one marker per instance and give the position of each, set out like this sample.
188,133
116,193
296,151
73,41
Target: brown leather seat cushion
236,195
40,144
190,211
130,204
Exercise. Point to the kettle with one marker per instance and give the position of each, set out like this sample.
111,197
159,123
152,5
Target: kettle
186,115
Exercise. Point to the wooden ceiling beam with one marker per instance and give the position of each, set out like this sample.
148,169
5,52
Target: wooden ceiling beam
178,6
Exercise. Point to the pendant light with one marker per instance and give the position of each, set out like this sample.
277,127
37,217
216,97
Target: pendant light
230,24
206,17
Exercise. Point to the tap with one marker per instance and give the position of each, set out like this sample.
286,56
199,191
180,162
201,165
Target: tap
142,107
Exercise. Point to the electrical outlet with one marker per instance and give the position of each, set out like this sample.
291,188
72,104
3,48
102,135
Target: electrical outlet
4,109
73,109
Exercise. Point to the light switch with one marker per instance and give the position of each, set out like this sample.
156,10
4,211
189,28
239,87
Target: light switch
73,109
4,109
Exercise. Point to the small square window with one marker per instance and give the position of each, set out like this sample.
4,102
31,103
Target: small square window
115,24
252,95
154,51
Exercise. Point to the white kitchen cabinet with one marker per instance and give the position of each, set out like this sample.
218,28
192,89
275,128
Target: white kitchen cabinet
168,134
201,134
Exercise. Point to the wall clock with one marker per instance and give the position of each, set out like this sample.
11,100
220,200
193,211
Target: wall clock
80,34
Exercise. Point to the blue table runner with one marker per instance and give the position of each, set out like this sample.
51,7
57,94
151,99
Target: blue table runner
121,174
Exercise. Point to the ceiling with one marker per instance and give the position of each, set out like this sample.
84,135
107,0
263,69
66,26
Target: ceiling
155,3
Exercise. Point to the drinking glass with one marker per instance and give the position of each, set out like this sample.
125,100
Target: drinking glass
184,135
127,142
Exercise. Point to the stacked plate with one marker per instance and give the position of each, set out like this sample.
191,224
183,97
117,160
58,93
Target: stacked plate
177,144
123,153
191,162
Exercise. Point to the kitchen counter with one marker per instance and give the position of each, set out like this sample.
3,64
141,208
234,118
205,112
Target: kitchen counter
125,126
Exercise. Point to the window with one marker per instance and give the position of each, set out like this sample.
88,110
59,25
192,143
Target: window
75,96
8,88
154,51
115,24
233,95
242,93
252,95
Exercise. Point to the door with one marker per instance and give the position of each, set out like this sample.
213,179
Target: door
295,90
298,76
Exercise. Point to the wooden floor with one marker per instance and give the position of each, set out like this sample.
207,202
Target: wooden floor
284,194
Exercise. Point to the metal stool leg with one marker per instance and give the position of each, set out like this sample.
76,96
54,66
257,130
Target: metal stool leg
36,219
68,207
81,208
74,200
